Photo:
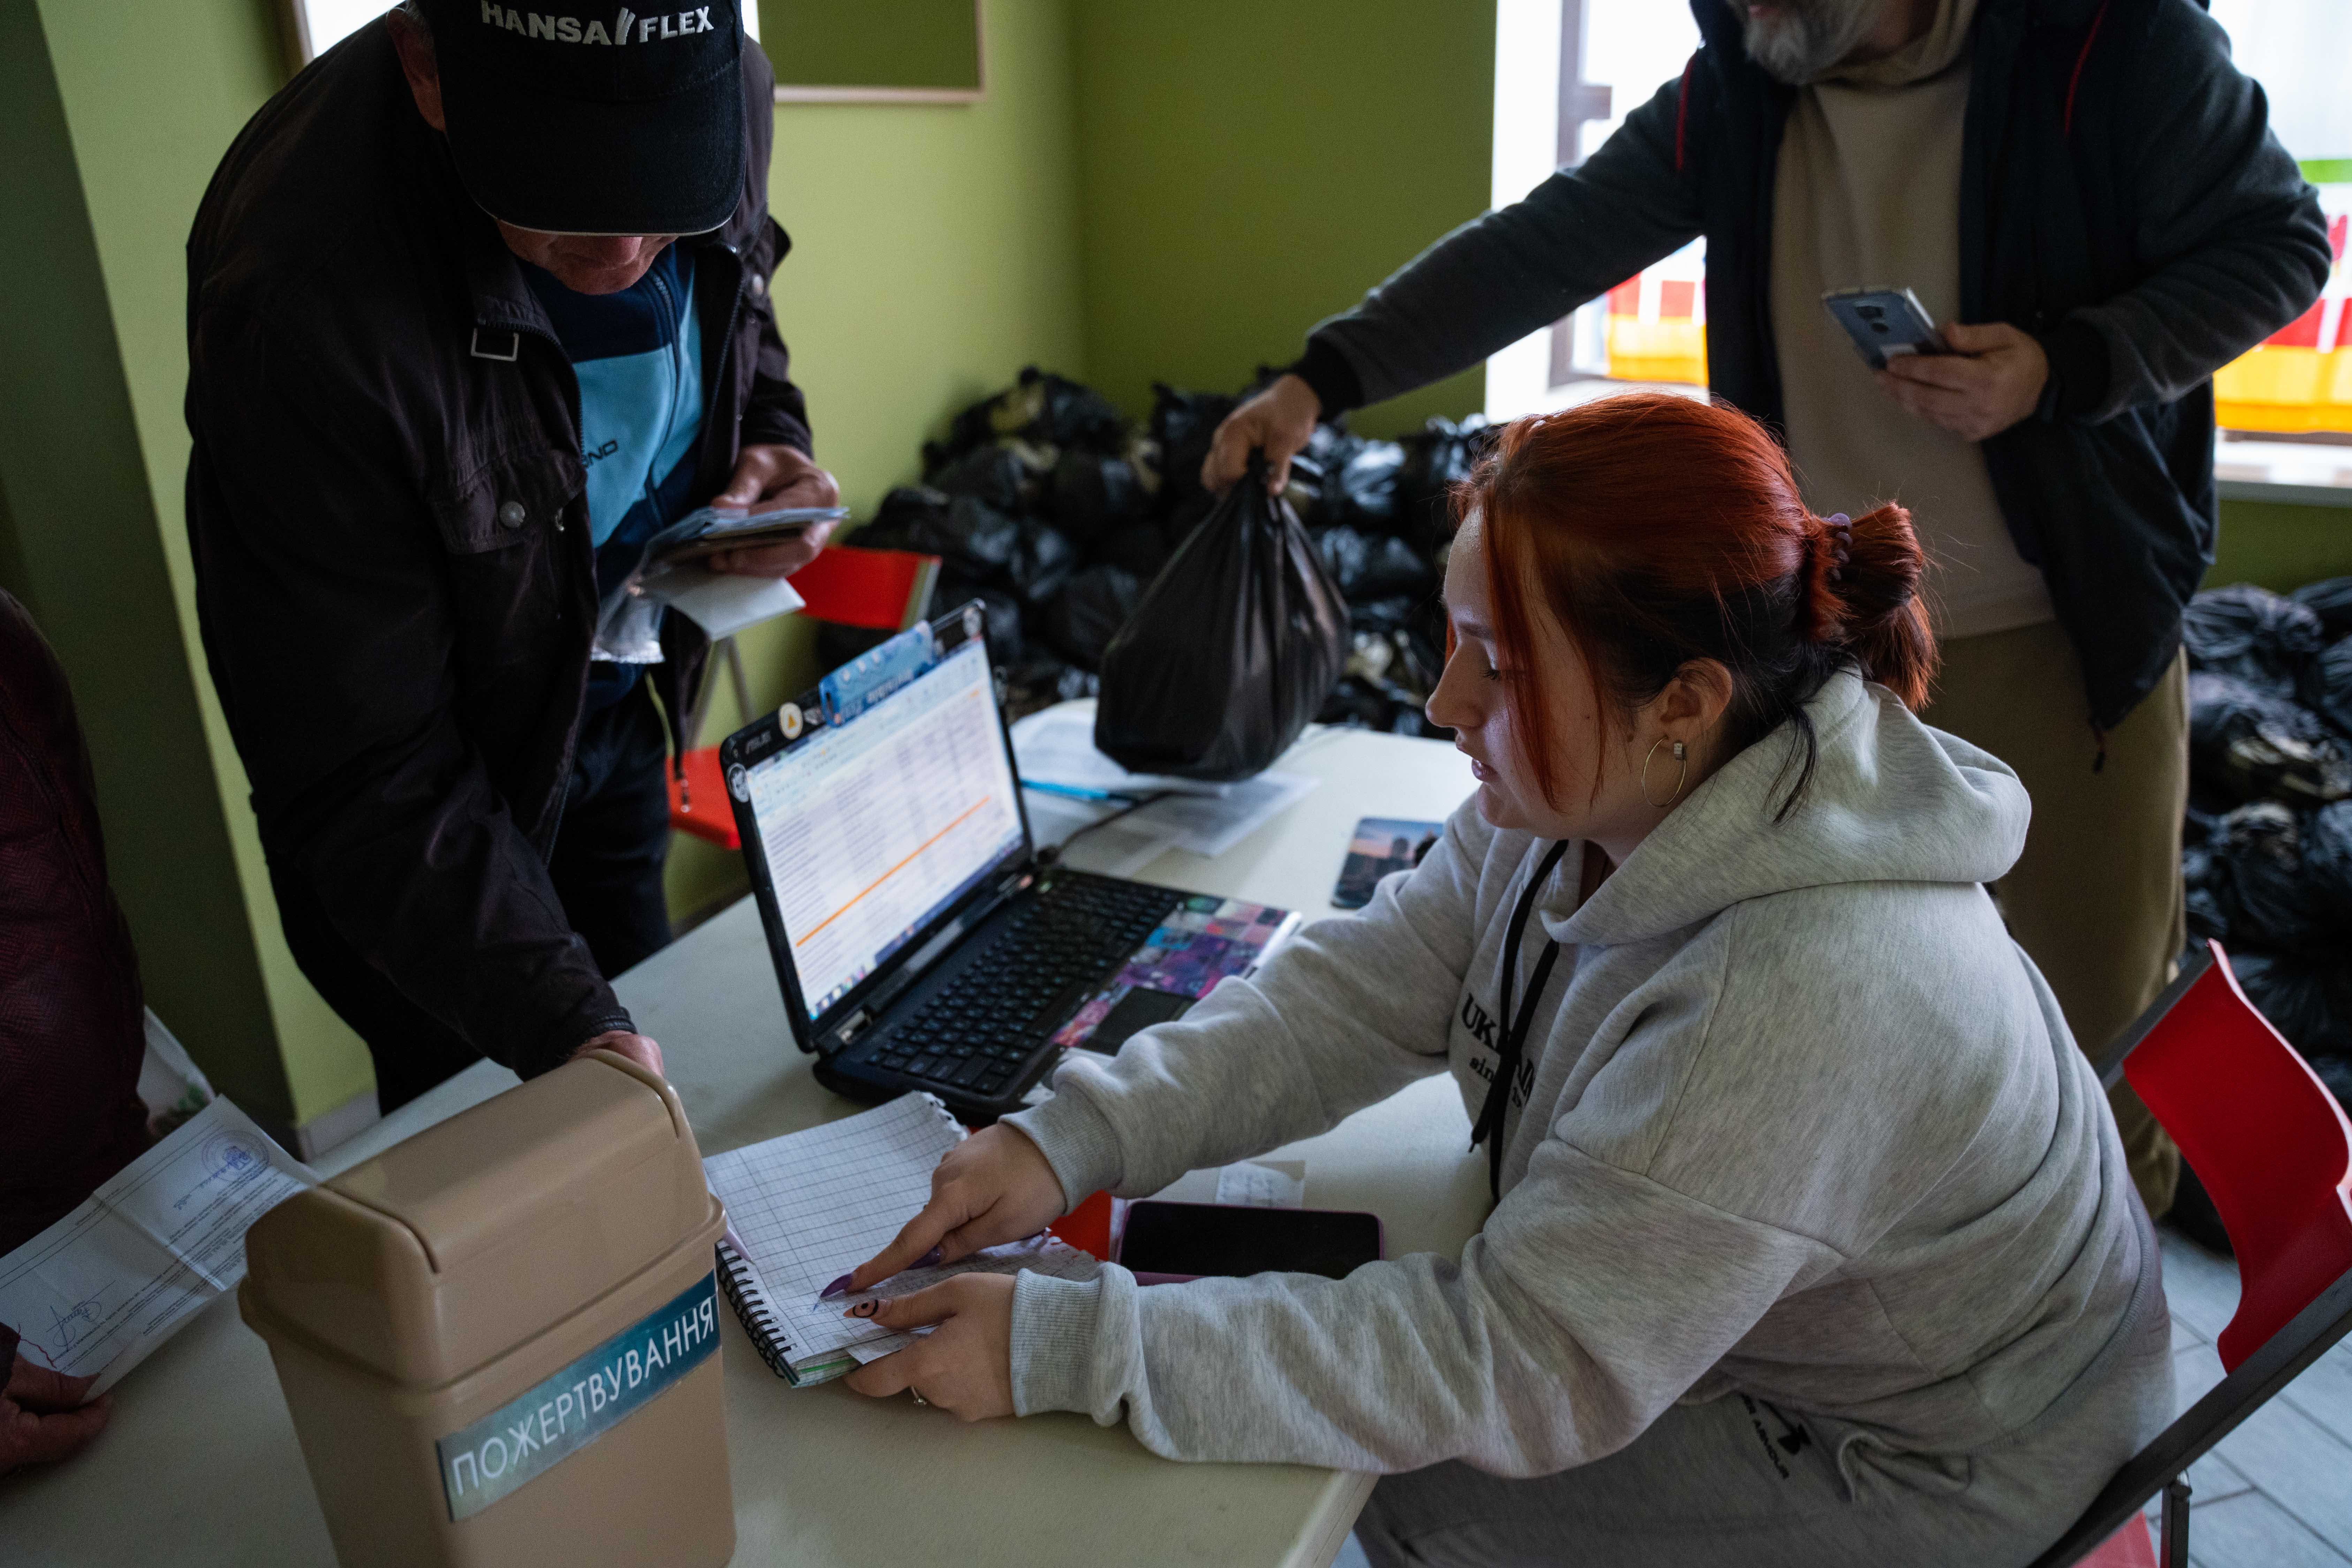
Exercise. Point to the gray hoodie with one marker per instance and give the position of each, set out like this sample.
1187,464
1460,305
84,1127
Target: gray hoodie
1797,1120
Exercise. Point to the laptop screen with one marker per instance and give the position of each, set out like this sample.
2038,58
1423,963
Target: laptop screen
875,825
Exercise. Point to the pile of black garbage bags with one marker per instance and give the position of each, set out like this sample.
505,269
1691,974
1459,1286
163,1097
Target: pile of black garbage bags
1045,503
2268,842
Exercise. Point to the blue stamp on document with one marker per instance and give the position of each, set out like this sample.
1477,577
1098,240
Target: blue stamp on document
539,1428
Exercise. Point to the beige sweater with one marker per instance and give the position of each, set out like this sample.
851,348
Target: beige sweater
1868,193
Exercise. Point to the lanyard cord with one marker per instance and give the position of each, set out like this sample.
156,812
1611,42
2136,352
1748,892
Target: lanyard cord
1489,1129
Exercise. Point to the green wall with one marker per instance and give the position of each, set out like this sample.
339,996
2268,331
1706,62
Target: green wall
1249,168
935,252
2281,547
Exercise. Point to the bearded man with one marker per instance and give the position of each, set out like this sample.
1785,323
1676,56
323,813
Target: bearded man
2086,197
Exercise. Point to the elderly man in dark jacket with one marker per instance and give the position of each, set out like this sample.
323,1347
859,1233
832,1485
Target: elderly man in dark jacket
2085,195
477,304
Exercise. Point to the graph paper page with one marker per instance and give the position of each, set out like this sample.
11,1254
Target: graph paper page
810,1206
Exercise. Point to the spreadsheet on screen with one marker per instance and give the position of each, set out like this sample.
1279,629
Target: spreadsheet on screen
872,827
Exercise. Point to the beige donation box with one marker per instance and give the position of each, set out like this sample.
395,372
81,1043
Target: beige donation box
499,1340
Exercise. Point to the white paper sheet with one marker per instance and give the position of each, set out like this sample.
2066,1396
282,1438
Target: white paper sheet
720,602
1264,1184
1057,746
1210,826
1206,825
100,1290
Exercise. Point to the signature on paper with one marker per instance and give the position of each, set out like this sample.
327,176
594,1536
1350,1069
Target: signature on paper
76,1323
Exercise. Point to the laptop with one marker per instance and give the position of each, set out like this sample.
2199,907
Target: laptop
921,939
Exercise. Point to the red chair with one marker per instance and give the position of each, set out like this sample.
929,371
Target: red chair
2274,1150
880,590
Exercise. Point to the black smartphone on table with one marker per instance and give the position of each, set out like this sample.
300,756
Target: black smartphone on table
1884,323
1167,1243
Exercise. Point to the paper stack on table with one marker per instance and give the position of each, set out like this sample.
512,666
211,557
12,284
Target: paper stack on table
97,1292
1055,751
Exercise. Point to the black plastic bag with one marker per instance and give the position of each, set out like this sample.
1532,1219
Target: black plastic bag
977,544
1231,652
1380,566
1081,622
2247,744
1040,406
2307,1000
1346,554
2260,637
1040,681
2257,879
1139,547
2206,918
2328,869
1094,495
1010,476
2327,685
1363,493
1441,456
1184,425
1342,480
2331,601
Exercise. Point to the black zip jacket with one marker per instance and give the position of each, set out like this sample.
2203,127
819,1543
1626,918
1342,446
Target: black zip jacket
388,513
2121,198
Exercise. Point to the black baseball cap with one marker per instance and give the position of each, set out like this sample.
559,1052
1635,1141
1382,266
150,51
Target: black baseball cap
594,118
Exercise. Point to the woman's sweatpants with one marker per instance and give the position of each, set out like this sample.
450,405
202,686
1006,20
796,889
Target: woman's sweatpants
1736,1483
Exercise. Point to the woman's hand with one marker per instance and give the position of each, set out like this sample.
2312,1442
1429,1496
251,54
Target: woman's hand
991,1188
774,476
964,1365
1279,421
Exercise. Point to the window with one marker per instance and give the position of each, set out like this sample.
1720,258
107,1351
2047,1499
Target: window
2285,409
1566,72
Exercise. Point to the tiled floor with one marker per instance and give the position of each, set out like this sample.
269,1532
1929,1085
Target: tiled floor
2277,1493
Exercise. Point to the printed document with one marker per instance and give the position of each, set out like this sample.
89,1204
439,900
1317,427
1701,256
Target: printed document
97,1292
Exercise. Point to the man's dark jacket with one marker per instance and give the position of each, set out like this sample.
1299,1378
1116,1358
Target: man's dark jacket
2121,198
389,516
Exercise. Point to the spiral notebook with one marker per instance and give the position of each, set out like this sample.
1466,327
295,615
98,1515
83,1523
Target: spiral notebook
806,1208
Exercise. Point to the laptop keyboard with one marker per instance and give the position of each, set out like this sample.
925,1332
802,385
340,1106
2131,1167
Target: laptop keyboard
978,1033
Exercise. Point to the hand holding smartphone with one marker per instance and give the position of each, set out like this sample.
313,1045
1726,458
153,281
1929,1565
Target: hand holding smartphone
1884,323
713,529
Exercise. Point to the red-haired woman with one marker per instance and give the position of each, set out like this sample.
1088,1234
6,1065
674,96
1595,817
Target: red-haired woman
1814,1240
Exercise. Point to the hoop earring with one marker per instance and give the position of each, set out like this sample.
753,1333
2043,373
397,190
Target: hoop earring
1682,756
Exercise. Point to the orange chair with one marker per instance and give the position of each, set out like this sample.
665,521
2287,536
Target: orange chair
880,590
2274,1150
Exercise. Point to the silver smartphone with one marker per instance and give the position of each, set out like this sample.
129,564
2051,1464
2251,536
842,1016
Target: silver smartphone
1884,323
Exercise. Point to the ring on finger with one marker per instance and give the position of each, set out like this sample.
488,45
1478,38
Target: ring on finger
919,1396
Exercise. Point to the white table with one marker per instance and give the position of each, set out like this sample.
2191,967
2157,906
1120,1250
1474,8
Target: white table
200,1464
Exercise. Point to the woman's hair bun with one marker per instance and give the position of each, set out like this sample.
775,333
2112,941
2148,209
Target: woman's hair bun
1861,593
